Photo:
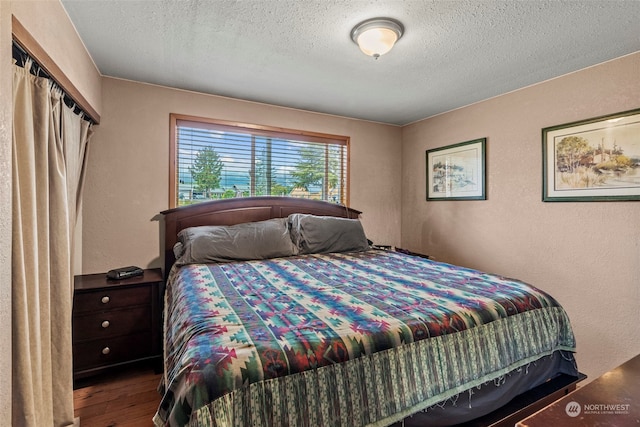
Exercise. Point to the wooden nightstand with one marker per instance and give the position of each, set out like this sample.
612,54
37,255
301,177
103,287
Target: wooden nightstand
116,322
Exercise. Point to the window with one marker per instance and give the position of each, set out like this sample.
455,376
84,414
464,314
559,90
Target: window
213,160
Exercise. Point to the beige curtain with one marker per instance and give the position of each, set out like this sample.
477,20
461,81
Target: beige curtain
49,148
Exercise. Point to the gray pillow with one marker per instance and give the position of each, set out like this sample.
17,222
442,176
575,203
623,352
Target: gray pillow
325,234
248,241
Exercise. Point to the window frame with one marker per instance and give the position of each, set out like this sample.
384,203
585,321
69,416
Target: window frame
254,129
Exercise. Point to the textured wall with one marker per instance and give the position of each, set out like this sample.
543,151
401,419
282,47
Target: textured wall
585,254
127,181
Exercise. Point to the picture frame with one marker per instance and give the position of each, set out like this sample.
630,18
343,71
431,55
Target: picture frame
457,172
592,160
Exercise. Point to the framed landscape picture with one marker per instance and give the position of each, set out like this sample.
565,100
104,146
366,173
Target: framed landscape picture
592,160
457,172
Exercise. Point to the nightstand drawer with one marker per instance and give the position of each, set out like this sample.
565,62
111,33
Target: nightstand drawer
109,351
111,323
108,299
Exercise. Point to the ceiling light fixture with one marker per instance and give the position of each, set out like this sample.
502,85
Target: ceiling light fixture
377,36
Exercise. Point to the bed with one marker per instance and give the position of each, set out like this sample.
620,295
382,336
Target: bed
279,312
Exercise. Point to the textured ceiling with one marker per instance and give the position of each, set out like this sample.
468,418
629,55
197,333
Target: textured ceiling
299,53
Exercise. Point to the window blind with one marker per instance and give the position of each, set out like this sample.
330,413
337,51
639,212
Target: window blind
217,160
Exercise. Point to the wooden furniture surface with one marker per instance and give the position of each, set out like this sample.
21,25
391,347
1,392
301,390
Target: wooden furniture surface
610,400
115,322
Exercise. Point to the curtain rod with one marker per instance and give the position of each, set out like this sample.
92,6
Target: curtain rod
30,46
22,58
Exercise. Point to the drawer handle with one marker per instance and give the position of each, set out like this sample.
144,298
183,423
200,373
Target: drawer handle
105,324
105,299
106,350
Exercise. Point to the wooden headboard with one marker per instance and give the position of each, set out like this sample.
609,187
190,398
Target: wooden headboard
240,210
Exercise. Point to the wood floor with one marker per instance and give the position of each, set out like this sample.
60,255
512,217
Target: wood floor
127,398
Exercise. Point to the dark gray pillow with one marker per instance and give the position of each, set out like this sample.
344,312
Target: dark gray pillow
325,234
248,241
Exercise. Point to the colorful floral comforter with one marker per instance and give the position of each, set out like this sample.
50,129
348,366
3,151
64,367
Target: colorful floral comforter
344,339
